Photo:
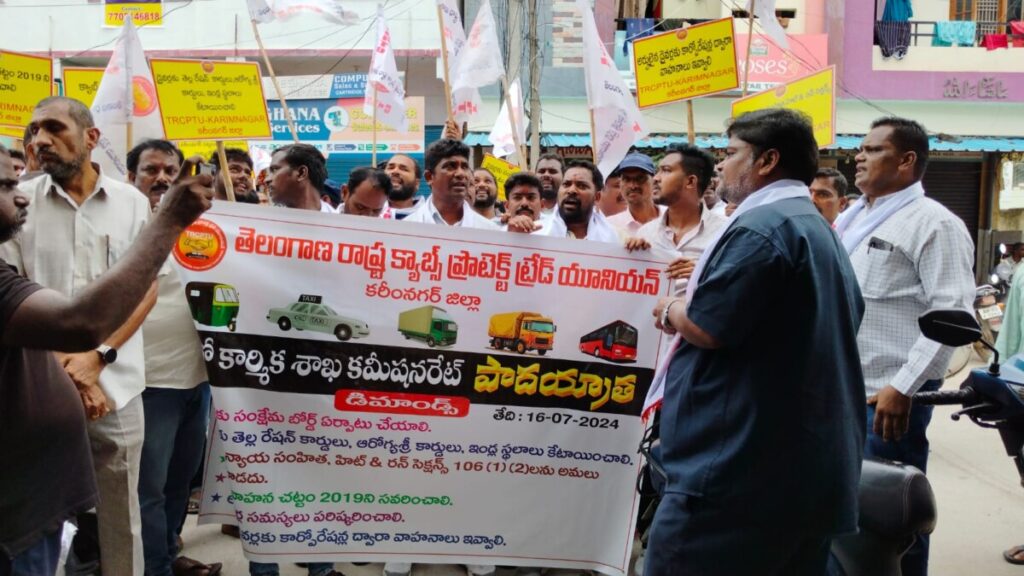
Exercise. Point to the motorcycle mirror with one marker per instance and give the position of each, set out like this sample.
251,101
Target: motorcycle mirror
952,327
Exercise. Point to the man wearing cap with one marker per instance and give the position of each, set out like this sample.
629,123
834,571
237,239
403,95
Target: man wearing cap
331,194
635,172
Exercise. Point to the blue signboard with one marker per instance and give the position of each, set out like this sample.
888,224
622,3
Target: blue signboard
348,86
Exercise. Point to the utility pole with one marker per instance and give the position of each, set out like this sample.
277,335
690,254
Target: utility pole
535,68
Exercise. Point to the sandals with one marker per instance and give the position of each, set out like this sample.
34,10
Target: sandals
184,566
1011,555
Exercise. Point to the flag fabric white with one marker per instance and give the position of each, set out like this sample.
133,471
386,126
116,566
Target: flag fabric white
264,11
465,101
126,94
383,77
764,10
501,136
480,62
618,123
260,11
260,158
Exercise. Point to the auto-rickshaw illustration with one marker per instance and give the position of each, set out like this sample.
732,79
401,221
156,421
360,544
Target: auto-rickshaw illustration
212,303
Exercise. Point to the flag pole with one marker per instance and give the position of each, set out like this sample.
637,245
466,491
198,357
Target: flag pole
222,156
593,137
373,156
444,61
273,78
691,134
750,43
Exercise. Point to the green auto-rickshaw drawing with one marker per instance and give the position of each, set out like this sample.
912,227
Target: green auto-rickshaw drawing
213,304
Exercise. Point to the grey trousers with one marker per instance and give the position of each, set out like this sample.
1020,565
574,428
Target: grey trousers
116,441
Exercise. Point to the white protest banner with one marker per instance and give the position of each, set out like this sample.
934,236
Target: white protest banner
617,122
264,11
501,136
764,10
384,88
465,100
126,97
480,62
405,392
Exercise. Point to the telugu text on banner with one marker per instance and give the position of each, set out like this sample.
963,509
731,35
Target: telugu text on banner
421,394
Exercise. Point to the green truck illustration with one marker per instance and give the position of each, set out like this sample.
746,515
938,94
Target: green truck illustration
430,324
213,304
522,332
310,313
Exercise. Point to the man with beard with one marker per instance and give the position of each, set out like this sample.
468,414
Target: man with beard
761,440
449,177
635,173
240,168
82,222
485,194
549,170
296,175
523,206
687,226
176,401
405,177
576,216
44,429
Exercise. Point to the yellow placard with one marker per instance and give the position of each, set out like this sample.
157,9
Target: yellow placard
12,132
142,13
813,94
207,148
82,83
24,81
501,169
207,100
686,63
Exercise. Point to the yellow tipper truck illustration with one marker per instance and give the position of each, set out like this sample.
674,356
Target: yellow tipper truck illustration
430,324
522,332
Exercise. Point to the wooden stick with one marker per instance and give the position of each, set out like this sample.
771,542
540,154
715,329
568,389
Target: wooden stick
593,137
750,43
229,188
444,61
277,86
129,131
520,151
691,133
373,157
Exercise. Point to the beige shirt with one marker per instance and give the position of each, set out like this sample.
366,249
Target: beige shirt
64,246
690,245
173,356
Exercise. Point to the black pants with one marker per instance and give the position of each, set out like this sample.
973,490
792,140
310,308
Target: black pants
690,539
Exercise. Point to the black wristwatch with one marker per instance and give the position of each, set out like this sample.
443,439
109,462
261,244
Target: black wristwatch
107,353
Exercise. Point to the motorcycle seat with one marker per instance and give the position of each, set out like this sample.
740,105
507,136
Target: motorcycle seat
896,500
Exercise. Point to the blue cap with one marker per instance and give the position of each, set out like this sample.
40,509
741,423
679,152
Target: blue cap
333,190
635,160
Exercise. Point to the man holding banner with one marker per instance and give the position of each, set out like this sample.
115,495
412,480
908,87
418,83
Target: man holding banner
576,216
762,440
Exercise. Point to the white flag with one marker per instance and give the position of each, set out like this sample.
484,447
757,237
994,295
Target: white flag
501,135
480,62
618,123
764,10
126,94
383,77
264,11
465,101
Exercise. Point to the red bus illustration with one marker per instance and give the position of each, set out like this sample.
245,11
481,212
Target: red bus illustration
615,342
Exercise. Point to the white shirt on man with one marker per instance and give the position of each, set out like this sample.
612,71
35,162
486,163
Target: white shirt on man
173,356
598,229
690,245
64,247
427,213
627,225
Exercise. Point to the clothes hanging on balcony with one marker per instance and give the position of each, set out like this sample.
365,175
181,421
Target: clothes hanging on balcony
897,11
893,38
995,41
1017,29
955,33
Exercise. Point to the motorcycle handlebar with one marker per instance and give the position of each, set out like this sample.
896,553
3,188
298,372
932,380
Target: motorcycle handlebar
964,395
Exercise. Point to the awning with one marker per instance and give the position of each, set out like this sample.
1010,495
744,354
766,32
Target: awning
843,142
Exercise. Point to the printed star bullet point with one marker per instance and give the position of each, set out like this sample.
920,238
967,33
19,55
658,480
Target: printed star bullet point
223,458
220,477
215,498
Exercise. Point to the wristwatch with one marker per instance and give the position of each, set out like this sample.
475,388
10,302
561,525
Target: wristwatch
664,315
107,353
